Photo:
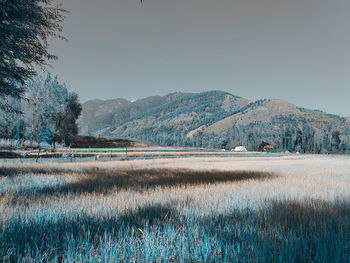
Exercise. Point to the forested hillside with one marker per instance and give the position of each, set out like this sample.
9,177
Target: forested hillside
92,124
217,119
284,125
93,109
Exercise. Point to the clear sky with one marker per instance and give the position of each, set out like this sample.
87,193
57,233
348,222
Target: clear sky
297,50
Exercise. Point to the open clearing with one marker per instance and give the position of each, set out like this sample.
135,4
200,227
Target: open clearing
292,208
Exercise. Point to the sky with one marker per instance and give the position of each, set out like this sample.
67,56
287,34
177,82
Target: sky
297,50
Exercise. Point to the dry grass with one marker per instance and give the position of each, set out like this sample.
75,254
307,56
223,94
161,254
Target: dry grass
91,179
153,210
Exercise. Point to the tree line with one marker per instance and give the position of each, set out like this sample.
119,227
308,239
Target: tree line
283,135
33,106
46,112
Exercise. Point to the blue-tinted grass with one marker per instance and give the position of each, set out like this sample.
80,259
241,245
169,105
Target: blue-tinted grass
46,222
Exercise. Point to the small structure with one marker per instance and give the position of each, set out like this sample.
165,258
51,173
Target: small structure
240,149
268,148
265,147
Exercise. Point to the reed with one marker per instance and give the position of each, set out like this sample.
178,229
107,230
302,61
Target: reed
112,214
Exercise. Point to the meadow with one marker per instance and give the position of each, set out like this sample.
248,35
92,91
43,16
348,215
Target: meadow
209,209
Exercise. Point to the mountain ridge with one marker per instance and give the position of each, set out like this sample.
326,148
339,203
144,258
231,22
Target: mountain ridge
218,119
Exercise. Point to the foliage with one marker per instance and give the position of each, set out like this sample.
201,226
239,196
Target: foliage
48,112
67,127
46,135
25,27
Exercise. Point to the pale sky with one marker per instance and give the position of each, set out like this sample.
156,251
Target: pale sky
297,50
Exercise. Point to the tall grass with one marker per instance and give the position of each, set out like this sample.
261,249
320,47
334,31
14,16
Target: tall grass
62,214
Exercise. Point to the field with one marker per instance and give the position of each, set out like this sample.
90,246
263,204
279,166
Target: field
291,208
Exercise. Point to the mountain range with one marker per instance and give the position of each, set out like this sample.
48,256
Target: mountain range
217,119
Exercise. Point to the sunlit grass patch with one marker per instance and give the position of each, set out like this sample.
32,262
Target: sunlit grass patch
101,180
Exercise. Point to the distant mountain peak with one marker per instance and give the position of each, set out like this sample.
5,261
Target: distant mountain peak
217,119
